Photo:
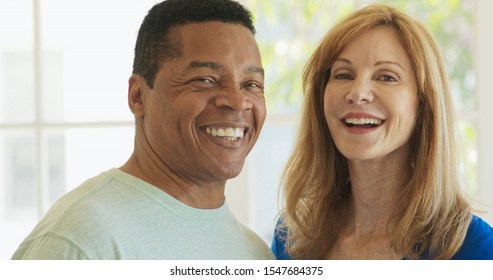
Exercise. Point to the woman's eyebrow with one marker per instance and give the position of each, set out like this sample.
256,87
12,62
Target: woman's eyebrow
388,62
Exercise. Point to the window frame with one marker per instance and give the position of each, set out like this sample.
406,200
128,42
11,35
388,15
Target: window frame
240,191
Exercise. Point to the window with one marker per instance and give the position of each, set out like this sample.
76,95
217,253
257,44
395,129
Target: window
64,118
287,39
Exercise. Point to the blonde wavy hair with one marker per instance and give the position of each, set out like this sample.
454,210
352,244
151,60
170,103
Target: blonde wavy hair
435,215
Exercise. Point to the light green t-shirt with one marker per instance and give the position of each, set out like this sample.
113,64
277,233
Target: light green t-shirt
118,216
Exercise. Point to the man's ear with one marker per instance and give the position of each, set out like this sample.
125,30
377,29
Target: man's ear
136,86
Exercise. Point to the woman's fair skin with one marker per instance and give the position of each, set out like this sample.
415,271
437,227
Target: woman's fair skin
370,104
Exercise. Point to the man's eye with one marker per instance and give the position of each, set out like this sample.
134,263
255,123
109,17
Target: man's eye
254,86
205,80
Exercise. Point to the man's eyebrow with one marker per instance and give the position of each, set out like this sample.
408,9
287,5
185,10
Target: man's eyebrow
205,64
218,67
255,69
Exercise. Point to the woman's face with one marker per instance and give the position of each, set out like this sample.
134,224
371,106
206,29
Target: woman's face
370,100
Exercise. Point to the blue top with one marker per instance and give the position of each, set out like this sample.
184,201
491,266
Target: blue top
478,244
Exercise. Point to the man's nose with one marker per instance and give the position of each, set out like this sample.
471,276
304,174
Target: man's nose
233,98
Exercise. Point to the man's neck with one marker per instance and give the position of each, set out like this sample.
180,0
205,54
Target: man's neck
200,195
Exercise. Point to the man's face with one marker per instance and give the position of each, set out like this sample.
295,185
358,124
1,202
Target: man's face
207,107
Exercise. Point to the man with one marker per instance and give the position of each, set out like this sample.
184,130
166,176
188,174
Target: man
197,96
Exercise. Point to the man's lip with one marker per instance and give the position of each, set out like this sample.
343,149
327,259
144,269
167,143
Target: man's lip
246,128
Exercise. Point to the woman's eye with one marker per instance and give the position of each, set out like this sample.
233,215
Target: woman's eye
387,78
342,76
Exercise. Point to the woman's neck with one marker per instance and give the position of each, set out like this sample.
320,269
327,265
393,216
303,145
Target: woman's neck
376,187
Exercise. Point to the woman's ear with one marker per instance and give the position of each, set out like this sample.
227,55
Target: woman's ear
136,86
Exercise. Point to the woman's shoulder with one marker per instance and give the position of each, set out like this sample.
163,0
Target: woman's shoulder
278,246
478,244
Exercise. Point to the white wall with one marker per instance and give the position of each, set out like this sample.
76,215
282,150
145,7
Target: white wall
484,86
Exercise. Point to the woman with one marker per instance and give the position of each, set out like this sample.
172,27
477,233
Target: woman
367,178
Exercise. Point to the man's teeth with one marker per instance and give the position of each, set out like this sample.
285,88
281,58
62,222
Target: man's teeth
364,121
229,133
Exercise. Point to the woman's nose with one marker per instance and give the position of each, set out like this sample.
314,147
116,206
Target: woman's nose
360,92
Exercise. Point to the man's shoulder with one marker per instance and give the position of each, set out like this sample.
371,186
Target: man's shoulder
84,199
85,215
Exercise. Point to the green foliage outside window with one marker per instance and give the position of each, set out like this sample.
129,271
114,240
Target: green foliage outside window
289,30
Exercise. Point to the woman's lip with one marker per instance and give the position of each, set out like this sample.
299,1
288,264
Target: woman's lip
358,129
371,122
361,116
